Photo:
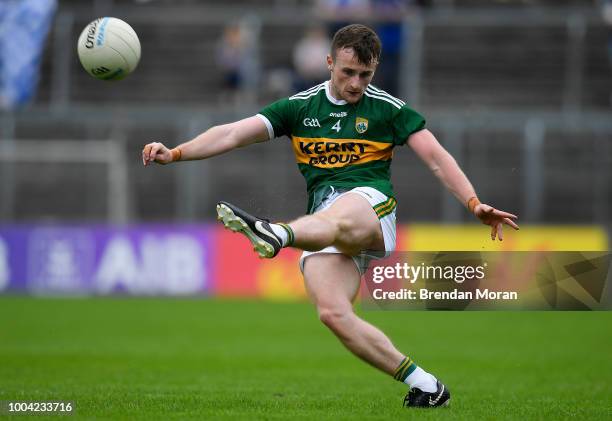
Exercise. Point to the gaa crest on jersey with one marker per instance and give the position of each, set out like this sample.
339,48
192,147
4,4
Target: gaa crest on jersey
361,125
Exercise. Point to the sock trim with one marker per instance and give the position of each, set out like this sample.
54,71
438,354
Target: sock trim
290,234
406,367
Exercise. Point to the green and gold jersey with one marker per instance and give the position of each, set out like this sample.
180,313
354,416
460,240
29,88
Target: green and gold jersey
339,144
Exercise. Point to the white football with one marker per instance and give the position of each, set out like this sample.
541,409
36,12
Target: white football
109,49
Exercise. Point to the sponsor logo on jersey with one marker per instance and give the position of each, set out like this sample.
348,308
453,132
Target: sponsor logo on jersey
311,122
340,114
334,153
361,125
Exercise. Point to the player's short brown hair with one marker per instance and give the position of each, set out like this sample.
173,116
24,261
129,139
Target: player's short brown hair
361,39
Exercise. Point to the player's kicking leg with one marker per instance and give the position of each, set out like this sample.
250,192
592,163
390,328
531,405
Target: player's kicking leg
332,281
350,224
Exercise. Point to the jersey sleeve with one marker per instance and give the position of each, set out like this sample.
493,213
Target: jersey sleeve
278,118
406,122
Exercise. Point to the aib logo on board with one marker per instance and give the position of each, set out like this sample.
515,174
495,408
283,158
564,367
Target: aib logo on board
361,125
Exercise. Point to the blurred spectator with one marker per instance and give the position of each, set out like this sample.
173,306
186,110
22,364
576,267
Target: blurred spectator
230,50
24,25
339,13
386,17
238,58
309,58
389,13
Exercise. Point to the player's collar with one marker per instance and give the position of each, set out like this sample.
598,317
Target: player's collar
331,98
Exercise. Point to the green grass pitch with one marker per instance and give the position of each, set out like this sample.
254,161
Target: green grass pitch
128,358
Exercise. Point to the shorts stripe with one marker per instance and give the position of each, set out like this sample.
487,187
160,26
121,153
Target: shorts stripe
381,207
389,211
383,204
385,208
385,213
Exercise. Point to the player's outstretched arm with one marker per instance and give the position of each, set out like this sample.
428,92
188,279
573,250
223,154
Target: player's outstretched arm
214,141
444,166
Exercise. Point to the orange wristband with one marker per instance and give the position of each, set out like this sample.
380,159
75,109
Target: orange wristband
176,154
472,203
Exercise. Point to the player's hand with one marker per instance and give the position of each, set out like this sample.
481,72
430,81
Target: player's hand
496,219
156,152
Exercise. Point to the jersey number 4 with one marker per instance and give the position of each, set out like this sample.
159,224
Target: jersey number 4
336,126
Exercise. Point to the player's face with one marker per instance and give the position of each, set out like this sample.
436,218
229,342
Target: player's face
349,77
